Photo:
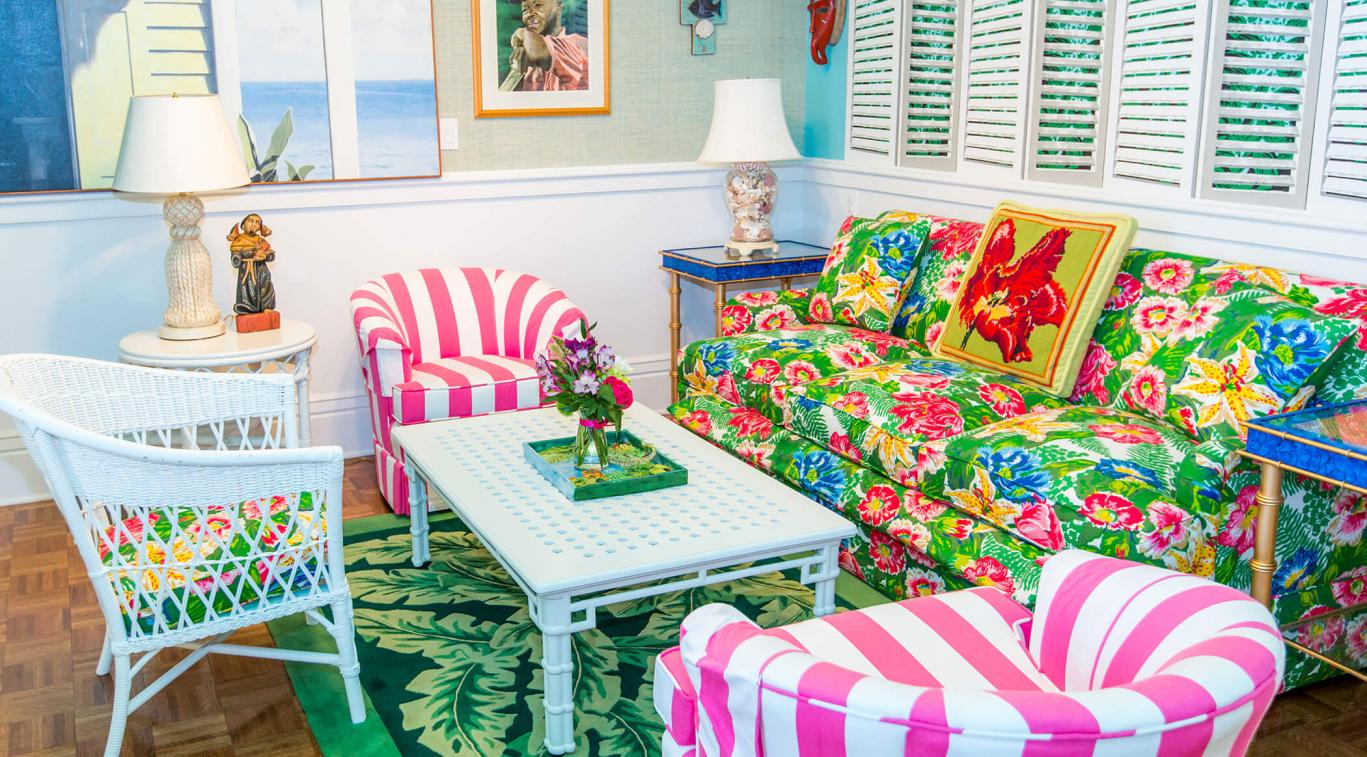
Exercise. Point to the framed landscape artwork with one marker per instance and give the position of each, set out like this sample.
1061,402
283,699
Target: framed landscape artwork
317,89
541,57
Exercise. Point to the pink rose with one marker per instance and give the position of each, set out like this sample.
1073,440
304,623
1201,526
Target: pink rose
621,393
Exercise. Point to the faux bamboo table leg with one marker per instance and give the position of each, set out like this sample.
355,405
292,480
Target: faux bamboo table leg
785,283
1264,564
721,303
674,325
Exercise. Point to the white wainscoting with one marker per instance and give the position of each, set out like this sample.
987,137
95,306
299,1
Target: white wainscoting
86,268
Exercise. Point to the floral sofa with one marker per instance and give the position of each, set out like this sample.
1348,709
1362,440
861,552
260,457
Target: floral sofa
958,476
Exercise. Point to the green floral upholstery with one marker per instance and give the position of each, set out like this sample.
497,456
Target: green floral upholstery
764,311
944,261
207,560
1110,482
757,368
866,274
882,414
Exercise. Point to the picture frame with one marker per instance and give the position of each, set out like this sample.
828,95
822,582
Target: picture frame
567,75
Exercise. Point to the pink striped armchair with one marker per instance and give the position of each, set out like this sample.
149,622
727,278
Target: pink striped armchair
1119,658
441,343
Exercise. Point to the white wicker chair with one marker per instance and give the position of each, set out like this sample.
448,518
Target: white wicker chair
178,539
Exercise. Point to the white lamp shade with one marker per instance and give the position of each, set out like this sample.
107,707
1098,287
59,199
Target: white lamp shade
748,124
178,143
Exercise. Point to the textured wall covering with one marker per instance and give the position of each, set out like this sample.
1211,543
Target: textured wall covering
661,95
824,127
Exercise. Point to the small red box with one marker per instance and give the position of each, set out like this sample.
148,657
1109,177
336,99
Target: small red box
250,322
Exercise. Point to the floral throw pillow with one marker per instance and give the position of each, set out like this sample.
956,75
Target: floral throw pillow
943,262
1033,292
866,273
1194,342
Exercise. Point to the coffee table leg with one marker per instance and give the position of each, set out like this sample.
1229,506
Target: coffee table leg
823,583
557,666
417,516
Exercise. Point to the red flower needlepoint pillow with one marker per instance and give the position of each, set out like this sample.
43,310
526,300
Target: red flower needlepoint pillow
1033,292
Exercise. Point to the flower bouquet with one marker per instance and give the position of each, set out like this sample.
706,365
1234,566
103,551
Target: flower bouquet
585,377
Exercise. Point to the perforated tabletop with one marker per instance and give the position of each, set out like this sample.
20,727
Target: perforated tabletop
726,510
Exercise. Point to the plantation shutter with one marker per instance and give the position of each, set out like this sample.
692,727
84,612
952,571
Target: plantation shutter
1345,167
933,56
1161,54
873,77
995,82
1261,101
1068,102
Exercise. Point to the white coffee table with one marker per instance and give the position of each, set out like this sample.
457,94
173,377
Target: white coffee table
573,557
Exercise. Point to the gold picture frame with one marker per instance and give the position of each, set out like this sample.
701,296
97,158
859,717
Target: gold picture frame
505,89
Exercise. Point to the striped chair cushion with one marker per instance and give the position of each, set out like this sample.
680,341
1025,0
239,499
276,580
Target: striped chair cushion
676,703
460,387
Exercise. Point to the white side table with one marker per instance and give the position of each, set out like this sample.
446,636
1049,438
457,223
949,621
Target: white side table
285,349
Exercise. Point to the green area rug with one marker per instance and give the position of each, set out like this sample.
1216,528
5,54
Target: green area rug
450,657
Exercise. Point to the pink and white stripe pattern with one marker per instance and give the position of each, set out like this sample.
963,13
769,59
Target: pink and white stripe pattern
441,343
1119,659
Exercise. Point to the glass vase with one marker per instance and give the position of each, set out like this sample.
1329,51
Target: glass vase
591,447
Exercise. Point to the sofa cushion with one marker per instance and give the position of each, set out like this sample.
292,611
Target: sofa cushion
880,415
943,261
1033,292
1206,345
867,271
1091,478
459,387
756,369
175,567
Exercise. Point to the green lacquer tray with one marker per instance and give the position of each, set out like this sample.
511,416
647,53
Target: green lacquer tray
554,460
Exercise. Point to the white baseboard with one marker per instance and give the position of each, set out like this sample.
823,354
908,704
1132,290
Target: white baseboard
342,419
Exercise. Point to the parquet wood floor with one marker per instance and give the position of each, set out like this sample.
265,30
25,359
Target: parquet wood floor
52,703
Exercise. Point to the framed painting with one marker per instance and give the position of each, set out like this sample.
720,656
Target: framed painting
541,57
317,90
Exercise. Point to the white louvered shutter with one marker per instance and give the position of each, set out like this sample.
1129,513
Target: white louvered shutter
1069,85
1161,60
930,32
874,69
1345,160
995,82
1260,104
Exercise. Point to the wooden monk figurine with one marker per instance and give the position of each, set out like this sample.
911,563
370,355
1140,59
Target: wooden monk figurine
255,306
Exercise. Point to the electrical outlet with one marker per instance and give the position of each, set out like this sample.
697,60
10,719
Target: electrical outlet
448,133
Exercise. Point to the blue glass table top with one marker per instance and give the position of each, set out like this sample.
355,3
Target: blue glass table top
1328,441
715,264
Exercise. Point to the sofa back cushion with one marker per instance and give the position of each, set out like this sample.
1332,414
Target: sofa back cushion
1033,292
1206,345
943,262
866,273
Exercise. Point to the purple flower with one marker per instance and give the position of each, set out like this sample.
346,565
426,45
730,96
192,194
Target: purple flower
605,357
543,368
587,383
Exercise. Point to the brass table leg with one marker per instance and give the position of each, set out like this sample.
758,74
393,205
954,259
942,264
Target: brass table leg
1264,563
674,325
721,303
785,283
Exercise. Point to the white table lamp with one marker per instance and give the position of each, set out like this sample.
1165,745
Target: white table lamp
749,132
177,145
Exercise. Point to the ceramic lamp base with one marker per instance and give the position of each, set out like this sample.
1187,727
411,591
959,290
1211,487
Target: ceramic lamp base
744,250
191,333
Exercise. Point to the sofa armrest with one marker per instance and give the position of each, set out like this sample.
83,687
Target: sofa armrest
765,311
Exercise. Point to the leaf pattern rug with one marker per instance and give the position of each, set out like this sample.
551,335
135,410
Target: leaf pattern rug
450,657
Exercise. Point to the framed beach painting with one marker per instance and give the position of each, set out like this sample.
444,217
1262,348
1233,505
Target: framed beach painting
318,90
541,57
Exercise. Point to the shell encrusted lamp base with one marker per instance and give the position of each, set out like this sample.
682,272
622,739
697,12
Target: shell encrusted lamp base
751,190
191,312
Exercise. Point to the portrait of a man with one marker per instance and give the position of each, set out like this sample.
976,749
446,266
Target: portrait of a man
541,57
546,57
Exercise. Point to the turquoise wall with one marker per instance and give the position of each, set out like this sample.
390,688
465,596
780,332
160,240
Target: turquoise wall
823,134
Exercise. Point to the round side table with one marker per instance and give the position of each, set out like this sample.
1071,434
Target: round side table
284,349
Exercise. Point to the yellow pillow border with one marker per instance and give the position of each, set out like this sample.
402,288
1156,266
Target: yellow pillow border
1066,355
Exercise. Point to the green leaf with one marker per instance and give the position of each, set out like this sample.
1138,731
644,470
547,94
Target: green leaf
412,586
446,639
466,707
281,137
248,142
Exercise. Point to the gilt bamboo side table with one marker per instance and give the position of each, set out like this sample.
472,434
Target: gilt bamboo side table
1327,444
718,268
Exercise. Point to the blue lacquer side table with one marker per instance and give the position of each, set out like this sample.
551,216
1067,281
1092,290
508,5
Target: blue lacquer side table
717,268
1326,443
